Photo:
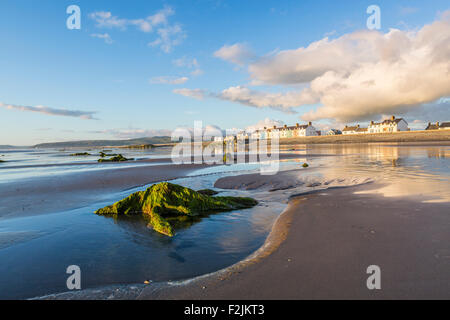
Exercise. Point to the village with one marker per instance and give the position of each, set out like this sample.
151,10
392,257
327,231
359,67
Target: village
387,126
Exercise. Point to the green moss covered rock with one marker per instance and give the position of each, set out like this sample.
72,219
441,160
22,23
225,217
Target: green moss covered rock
103,154
118,158
163,202
207,192
80,154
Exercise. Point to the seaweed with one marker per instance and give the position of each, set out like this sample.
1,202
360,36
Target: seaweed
164,204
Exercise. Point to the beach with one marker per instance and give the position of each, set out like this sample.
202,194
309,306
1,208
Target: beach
314,233
44,195
322,245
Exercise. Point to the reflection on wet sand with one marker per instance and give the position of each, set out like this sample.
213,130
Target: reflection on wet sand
420,172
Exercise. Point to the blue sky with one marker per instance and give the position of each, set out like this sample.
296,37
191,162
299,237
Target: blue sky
123,74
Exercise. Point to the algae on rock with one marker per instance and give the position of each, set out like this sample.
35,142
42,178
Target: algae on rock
165,201
80,154
117,158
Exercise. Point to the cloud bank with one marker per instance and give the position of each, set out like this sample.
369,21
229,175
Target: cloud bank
86,115
357,76
238,53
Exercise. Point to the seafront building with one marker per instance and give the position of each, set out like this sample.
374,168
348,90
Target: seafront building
438,126
354,130
390,125
387,126
298,130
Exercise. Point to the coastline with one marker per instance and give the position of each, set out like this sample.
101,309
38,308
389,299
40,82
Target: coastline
45,194
323,253
319,248
376,228
81,188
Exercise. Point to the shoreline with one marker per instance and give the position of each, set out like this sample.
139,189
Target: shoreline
78,189
285,267
44,194
300,260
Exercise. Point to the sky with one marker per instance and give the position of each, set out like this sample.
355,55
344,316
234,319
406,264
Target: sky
144,68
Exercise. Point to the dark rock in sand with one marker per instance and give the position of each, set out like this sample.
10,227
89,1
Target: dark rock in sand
164,202
118,158
80,154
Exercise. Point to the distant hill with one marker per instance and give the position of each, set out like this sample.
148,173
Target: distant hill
10,147
105,143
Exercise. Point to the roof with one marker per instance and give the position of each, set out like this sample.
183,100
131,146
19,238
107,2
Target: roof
432,127
361,130
444,125
388,121
351,128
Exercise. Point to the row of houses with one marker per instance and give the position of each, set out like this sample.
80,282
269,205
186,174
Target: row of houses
390,125
298,130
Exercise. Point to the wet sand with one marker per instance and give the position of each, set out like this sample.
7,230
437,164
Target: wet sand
40,195
45,194
321,246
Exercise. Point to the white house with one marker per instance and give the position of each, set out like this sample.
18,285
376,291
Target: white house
306,130
354,130
390,125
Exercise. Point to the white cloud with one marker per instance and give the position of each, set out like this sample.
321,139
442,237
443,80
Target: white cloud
190,64
105,19
168,80
259,99
87,115
266,123
238,53
192,93
168,35
105,36
185,62
357,76
303,65
197,72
